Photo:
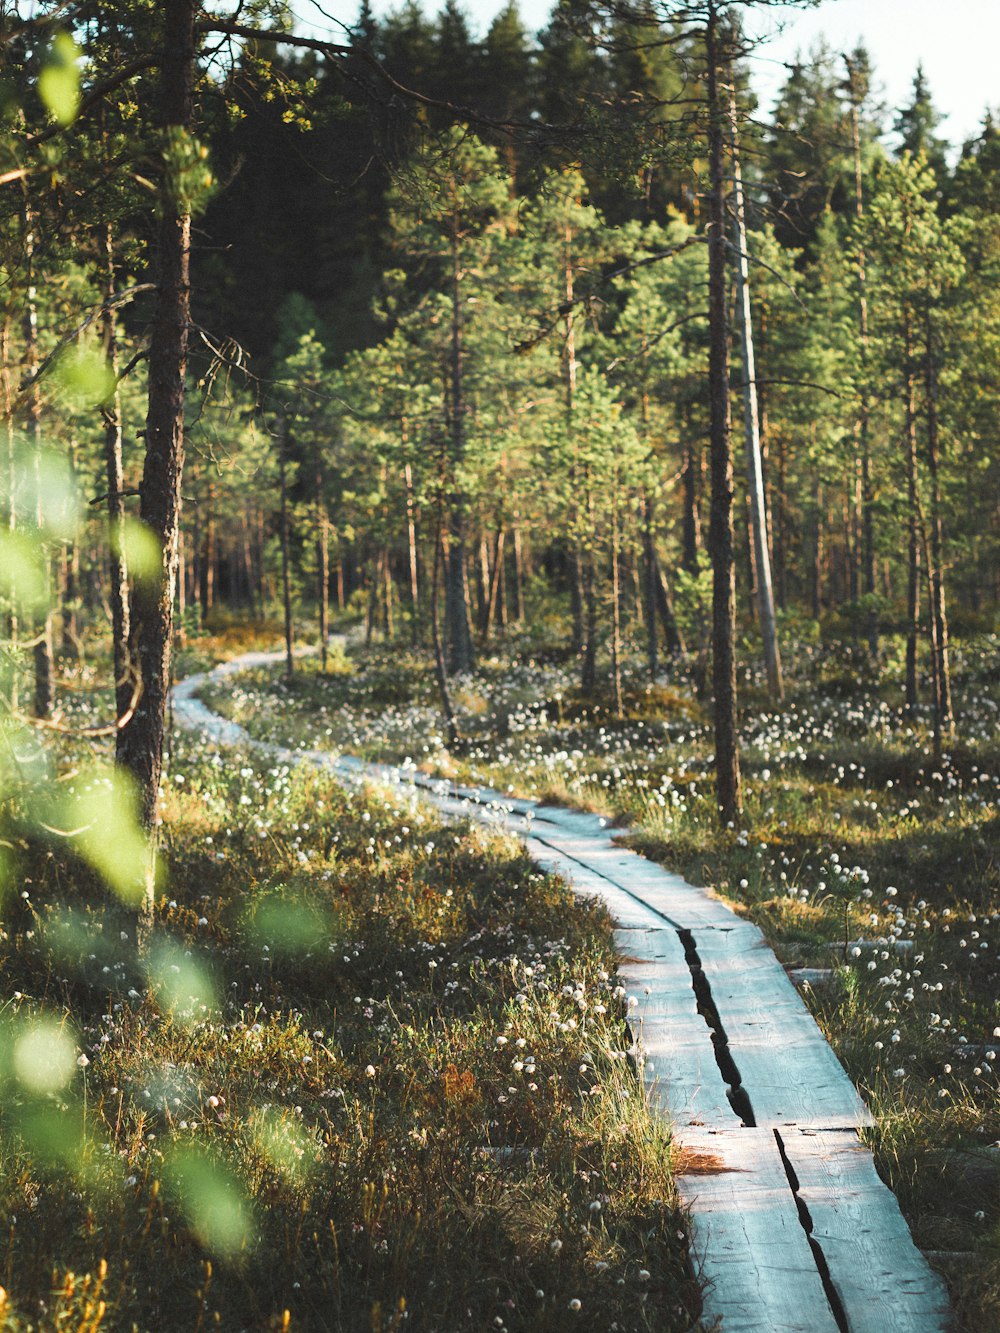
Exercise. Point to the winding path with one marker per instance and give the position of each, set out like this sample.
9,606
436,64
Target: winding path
792,1228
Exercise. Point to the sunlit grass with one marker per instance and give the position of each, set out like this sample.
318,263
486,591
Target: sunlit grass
372,1066
860,852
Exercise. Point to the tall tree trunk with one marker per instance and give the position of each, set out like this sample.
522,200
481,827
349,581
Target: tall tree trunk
286,563
322,566
440,669
140,740
691,522
939,614
496,582
816,564
484,579
44,657
411,547
456,573
754,463
780,514
864,429
649,588
70,581
518,607
616,605
388,621
665,610
913,530
114,472
588,668
206,592
727,759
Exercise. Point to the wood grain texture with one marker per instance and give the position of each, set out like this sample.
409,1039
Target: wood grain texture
884,1283
786,1064
747,1239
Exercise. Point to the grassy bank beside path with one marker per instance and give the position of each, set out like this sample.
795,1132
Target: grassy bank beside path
372,1077
861,855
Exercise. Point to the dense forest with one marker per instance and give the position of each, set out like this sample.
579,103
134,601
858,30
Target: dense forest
511,348
469,303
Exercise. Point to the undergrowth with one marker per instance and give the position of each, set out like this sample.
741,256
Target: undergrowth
370,1075
860,853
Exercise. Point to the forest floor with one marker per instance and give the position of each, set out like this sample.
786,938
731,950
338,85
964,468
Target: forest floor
861,855
371,1076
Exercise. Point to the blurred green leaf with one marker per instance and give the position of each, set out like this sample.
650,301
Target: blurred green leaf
103,814
143,552
213,1200
44,1055
59,81
23,578
51,1133
283,1144
57,496
182,984
82,378
287,923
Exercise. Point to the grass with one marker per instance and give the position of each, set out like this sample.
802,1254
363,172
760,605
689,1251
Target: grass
859,852
371,1075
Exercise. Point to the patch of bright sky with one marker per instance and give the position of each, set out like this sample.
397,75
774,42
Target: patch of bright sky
958,45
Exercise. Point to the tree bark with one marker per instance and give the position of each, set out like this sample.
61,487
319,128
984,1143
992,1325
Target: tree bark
140,740
913,530
44,657
411,547
286,564
518,599
114,472
754,463
727,760
456,574
864,430
322,566
649,589
665,610
939,614
691,522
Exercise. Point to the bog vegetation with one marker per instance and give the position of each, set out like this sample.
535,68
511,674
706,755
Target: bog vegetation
640,448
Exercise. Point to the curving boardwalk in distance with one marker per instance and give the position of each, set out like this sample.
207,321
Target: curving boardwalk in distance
792,1228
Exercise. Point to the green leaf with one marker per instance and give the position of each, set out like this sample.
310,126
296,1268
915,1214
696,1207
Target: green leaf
142,550
23,578
183,986
103,814
213,1200
43,1058
59,81
82,378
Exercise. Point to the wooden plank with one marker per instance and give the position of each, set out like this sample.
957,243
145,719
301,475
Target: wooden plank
786,1064
683,904
747,1240
626,910
679,1068
884,1283
580,823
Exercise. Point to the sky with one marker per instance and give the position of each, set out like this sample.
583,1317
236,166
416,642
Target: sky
959,47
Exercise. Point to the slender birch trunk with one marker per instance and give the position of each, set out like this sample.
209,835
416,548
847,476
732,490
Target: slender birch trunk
754,465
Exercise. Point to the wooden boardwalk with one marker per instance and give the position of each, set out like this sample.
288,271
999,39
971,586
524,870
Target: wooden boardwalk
792,1229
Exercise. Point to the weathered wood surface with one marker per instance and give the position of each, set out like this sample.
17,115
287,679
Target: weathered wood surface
884,1283
747,1240
786,1064
680,1071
